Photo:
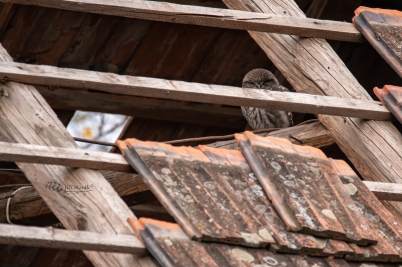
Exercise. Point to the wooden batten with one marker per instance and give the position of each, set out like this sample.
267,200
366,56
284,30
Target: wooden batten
312,66
68,239
178,90
213,17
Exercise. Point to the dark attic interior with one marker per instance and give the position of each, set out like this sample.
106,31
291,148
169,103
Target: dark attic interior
124,139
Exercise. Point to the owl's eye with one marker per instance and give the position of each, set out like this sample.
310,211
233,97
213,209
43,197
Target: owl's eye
249,84
268,82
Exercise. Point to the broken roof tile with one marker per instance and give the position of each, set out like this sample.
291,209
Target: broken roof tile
304,189
391,96
171,247
383,29
222,188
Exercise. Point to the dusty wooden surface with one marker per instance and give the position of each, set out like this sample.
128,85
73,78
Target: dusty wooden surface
27,203
27,118
69,239
177,90
311,66
212,17
63,156
385,191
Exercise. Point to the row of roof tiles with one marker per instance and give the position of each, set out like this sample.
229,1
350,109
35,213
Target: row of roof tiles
171,247
271,194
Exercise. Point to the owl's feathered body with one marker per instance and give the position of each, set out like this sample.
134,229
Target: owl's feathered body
260,118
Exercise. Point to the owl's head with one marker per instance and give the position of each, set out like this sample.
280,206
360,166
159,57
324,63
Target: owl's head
259,79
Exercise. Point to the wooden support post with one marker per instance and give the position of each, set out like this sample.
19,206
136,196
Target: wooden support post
25,117
311,66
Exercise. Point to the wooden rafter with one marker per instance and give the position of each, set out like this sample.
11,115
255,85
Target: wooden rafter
311,66
25,117
177,90
68,239
231,19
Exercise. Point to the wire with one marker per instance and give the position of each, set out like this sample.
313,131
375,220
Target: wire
8,202
207,138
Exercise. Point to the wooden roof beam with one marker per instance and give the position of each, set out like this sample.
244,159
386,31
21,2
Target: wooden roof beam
196,92
312,66
213,17
25,117
71,157
68,239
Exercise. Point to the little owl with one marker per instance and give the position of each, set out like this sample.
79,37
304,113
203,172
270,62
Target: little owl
260,118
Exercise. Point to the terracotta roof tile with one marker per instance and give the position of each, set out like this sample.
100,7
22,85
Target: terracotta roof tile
214,195
383,29
389,246
304,189
171,247
391,96
225,202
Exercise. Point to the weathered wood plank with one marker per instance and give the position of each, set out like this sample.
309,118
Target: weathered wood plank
213,17
385,191
178,90
69,239
27,203
70,157
311,66
25,117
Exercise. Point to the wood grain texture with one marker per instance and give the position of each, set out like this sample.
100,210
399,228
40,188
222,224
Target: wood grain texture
25,117
311,66
204,16
27,203
385,191
69,239
71,157
177,90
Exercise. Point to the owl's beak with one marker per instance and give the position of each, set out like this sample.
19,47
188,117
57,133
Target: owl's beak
259,86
